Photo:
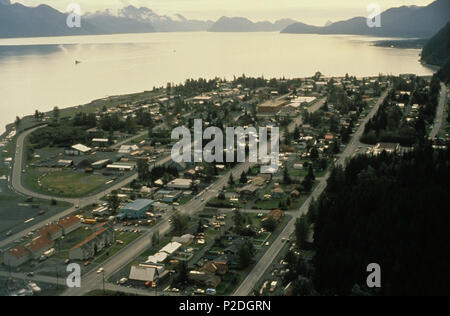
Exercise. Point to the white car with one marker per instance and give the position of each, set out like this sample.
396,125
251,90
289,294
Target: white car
100,270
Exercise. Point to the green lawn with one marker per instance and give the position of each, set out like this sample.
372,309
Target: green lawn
65,183
185,199
229,283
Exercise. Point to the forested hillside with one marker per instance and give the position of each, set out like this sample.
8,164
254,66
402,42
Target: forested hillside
437,50
388,209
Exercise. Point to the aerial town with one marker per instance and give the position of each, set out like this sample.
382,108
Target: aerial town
95,185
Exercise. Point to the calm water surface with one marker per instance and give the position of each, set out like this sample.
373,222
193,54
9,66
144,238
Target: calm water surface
40,73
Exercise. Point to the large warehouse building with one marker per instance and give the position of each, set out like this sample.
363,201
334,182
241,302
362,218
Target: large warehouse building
136,209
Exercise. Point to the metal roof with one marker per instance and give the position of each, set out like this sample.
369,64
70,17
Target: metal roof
138,205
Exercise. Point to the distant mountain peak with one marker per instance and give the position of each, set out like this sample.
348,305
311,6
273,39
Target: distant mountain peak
241,24
404,21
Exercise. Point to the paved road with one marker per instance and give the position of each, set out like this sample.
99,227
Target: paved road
62,282
92,280
16,183
439,112
262,265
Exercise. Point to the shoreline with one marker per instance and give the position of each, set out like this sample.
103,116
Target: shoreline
11,126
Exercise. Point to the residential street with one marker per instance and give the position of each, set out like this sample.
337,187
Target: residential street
439,112
16,183
249,283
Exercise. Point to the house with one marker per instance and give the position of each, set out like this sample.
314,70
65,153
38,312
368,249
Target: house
259,181
189,174
16,256
248,190
277,215
295,194
180,184
78,150
39,245
215,267
69,224
387,147
93,244
51,231
278,193
329,137
136,209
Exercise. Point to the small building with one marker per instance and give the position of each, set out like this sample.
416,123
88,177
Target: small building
215,267
158,258
387,147
120,167
64,163
39,246
295,194
16,256
78,150
171,248
100,142
52,231
271,106
277,215
147,273
127,149
248,190
180,184
136,209
278,193
69,224
100,164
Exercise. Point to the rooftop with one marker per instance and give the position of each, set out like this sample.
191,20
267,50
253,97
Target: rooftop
49,230
39,243
138,205
82,148
90,238
18,252
68,221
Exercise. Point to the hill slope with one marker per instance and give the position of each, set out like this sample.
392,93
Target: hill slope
239,24
421,22
437,50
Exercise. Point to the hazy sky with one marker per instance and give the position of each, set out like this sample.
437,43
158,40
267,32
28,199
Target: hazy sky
309,11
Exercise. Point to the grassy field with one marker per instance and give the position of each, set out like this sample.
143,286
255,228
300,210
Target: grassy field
65,183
